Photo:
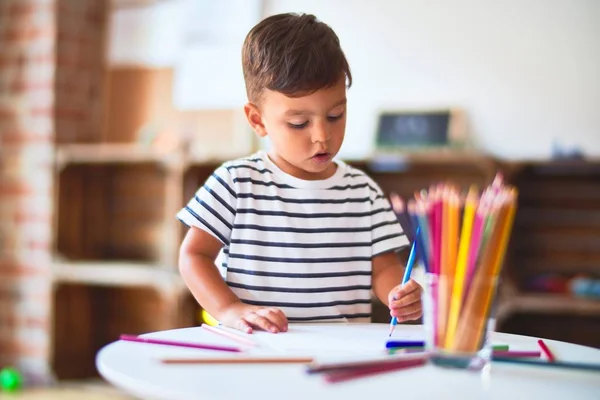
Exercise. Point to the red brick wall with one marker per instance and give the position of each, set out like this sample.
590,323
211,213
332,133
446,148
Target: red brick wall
80,70
27,66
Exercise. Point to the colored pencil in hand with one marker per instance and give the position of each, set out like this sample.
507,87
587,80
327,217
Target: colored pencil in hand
407,271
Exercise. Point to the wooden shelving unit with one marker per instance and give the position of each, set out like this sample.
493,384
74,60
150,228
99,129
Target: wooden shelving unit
117,240
557,231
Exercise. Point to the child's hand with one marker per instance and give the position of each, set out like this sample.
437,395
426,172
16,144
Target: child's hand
245,317
405,301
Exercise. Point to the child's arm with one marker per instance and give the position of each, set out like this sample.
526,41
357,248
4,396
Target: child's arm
197,266
404,301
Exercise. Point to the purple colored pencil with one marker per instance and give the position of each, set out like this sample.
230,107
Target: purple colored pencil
437,235
517,354
133,338
400,210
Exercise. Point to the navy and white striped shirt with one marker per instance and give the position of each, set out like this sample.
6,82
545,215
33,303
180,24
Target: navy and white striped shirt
303,246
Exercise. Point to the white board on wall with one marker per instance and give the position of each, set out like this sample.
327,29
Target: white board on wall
149,35
200,39
208,74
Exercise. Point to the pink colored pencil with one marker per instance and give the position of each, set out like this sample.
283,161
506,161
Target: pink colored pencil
476,236
229,335
437,234
546,351
132,338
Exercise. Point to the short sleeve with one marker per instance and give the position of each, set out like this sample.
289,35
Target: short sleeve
213,207
386,231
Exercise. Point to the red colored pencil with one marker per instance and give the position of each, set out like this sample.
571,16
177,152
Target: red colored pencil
546,351
356,373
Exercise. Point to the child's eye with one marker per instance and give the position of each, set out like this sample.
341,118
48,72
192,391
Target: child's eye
298,126
335,117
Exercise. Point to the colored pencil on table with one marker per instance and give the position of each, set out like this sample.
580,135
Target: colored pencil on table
344,376
230,335
549,355
239,360
557,364
139,339
349,365
516,354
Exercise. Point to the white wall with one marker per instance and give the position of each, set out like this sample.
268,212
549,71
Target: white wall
526,72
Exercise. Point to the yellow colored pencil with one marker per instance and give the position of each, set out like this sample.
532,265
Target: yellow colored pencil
461,264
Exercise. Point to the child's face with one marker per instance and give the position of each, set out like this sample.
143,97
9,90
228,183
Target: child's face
305,132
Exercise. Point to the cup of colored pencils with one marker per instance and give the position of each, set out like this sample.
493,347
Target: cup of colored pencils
463,238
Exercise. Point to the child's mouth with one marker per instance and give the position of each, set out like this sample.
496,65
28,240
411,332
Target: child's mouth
321,158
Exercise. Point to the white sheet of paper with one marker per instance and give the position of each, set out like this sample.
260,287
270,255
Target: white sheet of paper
314,339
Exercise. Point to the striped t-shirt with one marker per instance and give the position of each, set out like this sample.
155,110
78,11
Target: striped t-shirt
302,246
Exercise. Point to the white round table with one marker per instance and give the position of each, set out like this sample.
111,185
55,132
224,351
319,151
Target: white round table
136,368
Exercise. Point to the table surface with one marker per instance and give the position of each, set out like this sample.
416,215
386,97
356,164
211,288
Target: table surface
136,368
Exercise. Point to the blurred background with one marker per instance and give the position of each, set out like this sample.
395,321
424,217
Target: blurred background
113,112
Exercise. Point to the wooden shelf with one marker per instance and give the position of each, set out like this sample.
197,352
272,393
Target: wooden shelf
434,156
547,304
118,274
114,153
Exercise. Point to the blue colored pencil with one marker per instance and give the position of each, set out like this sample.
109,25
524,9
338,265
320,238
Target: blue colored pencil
407,271
556,364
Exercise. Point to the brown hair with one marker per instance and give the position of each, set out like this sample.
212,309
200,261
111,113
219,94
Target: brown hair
294,54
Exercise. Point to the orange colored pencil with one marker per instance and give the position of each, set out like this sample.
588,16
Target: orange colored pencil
474,313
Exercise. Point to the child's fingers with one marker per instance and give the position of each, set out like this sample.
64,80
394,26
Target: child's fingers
256,320
243,326
408,287
410,298
410,317
276,316
406,310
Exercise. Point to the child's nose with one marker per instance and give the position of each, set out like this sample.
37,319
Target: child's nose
319,133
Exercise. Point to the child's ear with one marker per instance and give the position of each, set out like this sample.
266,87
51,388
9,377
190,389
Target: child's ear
255,119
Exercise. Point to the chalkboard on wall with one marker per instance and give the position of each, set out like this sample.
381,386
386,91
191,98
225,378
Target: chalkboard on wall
418,129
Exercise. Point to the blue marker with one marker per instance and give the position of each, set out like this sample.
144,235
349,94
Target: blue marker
409,265
391,344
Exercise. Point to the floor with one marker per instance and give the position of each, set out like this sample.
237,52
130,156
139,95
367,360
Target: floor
84,390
